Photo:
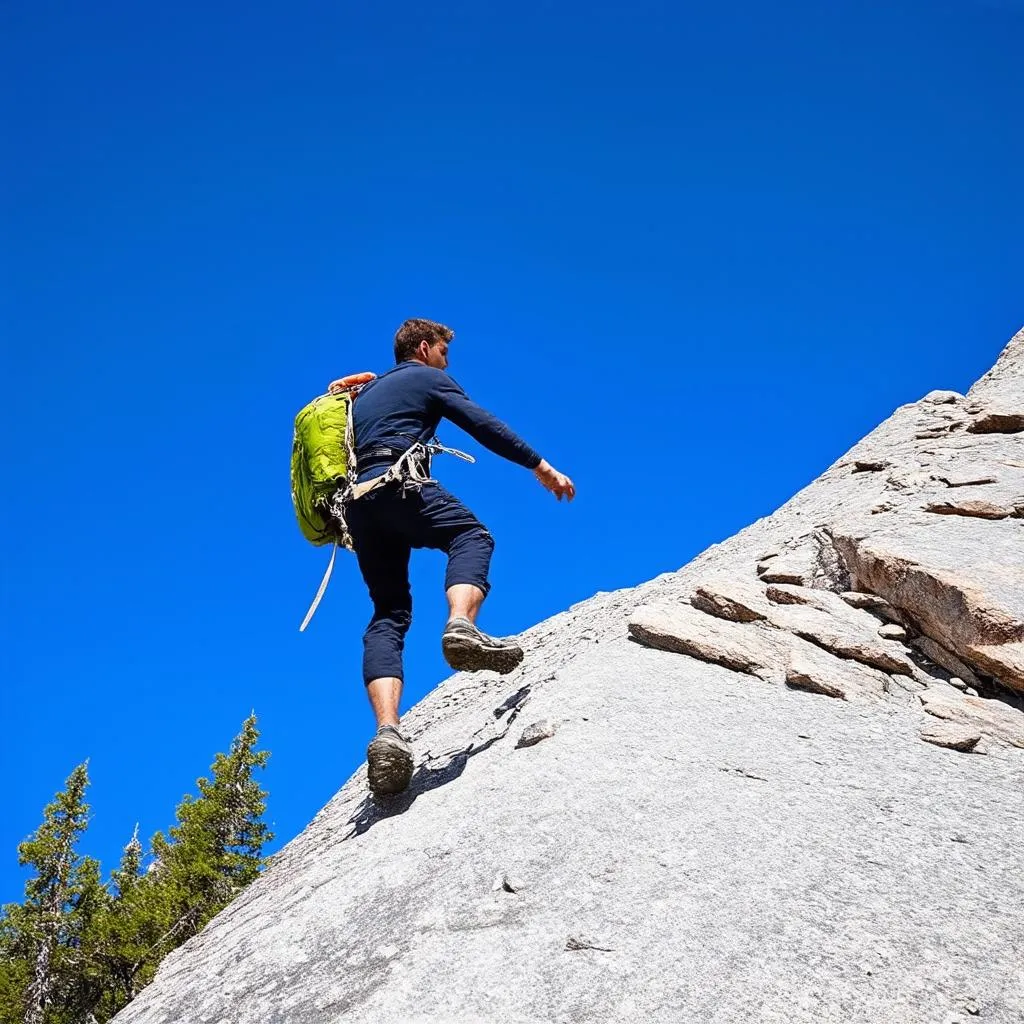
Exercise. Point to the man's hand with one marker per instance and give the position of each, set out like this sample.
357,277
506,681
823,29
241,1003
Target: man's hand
336,386
557,483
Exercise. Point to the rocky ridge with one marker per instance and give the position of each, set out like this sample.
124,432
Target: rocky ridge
785,783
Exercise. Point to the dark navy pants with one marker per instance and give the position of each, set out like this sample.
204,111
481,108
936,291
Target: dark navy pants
385,526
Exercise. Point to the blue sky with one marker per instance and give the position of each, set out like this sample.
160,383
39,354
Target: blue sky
726,238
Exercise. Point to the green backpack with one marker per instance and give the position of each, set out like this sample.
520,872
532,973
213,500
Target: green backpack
323,470
323,456
322,452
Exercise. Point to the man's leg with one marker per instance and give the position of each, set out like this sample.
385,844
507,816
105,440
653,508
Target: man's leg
384,563
385,695
464,601
446,524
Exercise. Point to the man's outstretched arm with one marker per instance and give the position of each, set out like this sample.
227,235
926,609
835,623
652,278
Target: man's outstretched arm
499,438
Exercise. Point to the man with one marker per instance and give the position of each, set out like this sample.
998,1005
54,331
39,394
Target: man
392,413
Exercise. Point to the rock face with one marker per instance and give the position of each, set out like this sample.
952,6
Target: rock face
735,818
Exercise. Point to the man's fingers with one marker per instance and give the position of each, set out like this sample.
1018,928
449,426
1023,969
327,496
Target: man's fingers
557,483
564,487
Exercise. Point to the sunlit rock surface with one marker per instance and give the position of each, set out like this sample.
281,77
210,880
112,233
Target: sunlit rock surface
755,807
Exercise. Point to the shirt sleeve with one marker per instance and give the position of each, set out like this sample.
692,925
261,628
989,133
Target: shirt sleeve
456,405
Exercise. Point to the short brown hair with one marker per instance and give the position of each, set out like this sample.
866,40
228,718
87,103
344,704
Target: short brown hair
409,336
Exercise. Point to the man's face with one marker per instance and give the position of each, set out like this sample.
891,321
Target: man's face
436,355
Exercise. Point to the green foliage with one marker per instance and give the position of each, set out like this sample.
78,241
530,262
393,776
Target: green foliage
76,951
214,850
41,940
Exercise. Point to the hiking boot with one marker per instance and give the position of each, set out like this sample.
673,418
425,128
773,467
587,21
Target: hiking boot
467,649
389,762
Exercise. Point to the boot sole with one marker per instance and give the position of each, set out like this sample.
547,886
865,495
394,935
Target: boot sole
465,656
388,768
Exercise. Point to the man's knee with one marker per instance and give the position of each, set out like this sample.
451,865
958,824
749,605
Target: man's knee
484,539
383,643
389,620
469,558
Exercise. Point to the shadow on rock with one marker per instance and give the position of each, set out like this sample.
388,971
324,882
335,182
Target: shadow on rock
373,809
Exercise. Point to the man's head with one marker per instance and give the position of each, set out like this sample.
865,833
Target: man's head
425,341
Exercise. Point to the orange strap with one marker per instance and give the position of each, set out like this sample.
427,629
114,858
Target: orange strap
353,382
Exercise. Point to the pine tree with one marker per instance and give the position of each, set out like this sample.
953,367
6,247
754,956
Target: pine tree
15,975
216,849
119,938
213,852
76,951
42,939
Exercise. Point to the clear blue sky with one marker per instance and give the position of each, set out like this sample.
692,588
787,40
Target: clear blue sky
723,239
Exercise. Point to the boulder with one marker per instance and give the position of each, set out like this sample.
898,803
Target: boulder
1004,662
954,735
535,732
958,582
942,397
970,507
995,420
857,616
843,640
993,717
735,600
742,647
892,631
787,570
812,668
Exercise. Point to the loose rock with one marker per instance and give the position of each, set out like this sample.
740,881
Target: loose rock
781,571
869,602
952,735
992,717
734,600
743,647
813,669
843,639
533,734
505,882
978,509
942,397
892,631
997,421
781,593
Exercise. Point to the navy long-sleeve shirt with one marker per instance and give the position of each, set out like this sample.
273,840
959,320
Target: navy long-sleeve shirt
407,403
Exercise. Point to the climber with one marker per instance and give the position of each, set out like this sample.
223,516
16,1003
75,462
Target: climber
397,411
